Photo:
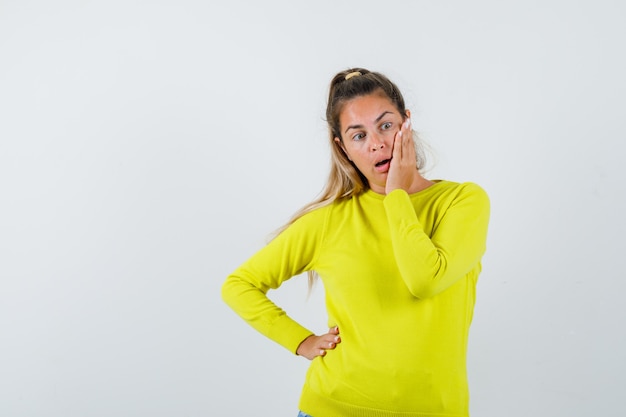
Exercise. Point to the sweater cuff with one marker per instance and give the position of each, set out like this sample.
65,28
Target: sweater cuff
288,333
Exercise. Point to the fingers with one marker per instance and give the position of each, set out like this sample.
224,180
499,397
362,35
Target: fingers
396,152
408,149
315,346
403,163
330,340
407,136
326,342
403,140
407,124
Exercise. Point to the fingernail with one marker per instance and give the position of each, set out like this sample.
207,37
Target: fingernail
336,338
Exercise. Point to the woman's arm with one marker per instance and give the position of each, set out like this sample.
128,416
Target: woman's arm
290,253
430,264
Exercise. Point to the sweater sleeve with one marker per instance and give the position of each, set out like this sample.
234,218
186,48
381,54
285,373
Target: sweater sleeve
429,265
292,252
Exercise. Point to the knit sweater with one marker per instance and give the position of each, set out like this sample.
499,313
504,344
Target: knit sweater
399,273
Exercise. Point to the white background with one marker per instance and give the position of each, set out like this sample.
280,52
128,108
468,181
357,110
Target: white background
149,147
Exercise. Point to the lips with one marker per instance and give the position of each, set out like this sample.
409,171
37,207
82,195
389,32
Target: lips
383,166
383,162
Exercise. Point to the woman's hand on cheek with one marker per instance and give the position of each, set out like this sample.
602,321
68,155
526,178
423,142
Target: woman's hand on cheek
314,346
403,163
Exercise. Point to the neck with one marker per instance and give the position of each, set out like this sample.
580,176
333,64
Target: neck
419,183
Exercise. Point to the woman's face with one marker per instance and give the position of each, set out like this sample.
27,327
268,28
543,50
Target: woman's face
368,127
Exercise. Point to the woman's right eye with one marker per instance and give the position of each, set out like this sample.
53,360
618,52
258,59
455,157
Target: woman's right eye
358,136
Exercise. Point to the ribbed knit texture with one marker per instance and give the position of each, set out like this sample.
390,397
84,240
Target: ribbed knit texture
400,273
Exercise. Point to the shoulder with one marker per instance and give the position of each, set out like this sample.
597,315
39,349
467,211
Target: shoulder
445,194
472,189
312,217
452,188
307,225
471,198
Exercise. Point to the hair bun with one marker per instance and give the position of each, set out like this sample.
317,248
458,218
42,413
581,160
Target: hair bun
353,74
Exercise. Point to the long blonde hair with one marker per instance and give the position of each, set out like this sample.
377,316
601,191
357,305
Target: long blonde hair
345,180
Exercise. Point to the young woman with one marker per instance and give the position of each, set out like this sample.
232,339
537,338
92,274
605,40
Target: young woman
399,256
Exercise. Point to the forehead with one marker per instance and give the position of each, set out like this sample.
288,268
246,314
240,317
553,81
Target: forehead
364,109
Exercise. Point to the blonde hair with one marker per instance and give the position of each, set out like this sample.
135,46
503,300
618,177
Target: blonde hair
345,180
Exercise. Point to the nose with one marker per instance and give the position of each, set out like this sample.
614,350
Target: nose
376,143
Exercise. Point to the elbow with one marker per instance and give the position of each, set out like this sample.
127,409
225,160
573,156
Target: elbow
422,292
228,291
428,283
237,287
224,291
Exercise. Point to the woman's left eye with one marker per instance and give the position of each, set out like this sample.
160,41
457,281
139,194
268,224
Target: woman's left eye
386,126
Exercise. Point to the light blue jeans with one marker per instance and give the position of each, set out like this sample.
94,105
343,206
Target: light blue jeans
301,414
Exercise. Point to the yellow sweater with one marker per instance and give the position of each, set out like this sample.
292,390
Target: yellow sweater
400,274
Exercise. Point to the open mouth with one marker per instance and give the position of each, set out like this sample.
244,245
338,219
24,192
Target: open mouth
383,162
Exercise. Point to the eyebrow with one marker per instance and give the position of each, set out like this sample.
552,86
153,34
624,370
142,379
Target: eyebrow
375,121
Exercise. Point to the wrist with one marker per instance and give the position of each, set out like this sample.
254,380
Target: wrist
301,347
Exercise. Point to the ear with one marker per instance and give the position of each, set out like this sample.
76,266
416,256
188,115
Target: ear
408,113
340,143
